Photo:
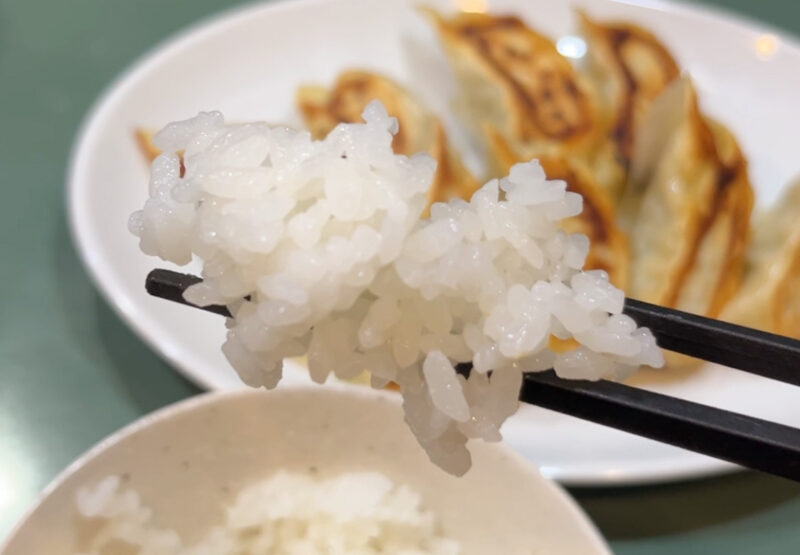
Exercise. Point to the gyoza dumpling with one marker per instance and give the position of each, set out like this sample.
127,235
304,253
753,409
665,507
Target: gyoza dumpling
686,207
419,130
608,248
630,68
514,80
769,298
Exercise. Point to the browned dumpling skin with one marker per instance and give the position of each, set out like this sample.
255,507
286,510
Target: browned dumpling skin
419,131
144,140
608,248
630,67
323,108
769,298
687,207
514,80
723,231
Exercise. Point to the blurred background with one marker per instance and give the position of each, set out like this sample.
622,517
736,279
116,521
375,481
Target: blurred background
71,372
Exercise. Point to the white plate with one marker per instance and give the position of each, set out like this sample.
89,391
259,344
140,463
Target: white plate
188,459
248,63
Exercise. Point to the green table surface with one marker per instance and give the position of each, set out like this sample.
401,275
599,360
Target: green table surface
72,373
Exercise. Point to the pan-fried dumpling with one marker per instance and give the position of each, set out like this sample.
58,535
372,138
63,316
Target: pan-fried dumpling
608,248
514,80
630,68
686,207
420,131
769,298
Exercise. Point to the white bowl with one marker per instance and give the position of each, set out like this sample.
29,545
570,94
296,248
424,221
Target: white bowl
188,460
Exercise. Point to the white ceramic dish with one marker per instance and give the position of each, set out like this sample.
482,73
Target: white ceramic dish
747,77
189,460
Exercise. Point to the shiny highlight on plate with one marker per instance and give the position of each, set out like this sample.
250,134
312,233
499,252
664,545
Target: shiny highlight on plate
472,6
766,46
572,47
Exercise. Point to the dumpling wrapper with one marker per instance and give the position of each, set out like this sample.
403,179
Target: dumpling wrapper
514,80
769,298
686,208
608,247
630,68
419,131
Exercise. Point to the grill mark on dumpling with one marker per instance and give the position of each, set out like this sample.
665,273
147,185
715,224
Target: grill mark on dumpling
558,168
608,250
418,130
536,120
726,176
590,214
349,98
622,132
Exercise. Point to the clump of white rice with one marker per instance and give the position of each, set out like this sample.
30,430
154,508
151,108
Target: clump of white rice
287,514
325,238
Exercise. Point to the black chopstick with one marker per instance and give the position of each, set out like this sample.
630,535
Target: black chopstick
740,439
765,354
758,352
744,440
169,285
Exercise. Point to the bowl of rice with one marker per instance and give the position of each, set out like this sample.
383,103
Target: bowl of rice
298,470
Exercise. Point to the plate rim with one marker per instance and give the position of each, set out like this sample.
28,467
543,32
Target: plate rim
115,296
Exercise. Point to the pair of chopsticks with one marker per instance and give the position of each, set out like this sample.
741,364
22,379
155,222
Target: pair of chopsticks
744,440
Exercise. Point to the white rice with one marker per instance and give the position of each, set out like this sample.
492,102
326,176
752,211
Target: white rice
326,239
289,514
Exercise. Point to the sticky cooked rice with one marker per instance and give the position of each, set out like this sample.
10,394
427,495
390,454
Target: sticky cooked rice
325,240
289,514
